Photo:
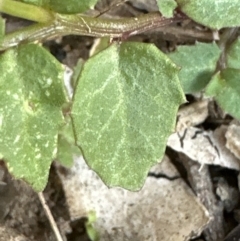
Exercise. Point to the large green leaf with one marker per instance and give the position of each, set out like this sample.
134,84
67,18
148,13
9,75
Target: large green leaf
225,87
32,94
61,6
215,14
167,7
124,109
198,63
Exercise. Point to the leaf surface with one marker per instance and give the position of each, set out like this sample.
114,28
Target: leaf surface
66,145
215,14
32,94
198,63
167,7
233,55
225,87
124,109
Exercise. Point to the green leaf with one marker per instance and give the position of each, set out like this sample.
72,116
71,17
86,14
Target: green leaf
32,94
36,2
124,109
66,145
91,231
2,28
167,7
225,87
215,14
233,55
198,63
76,72
66,152
61,6
72,6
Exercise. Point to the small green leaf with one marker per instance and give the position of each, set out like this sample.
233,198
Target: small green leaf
233,55
215,14
124,109
61,6
197,64
32,94
66,152
167,7
91,231
66,145
225,87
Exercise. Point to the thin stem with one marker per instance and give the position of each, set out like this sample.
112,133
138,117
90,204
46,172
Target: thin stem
87,26
26,11
50,217
114,28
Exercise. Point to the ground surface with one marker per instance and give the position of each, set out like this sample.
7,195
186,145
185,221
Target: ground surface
182,199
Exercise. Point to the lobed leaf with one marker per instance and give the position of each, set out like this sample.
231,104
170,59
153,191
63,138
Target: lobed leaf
215,14
198,63
225,87
124,109
32,94
167,7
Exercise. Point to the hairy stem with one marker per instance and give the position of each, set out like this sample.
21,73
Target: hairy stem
88,26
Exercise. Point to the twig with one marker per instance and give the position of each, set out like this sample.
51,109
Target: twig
50,216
